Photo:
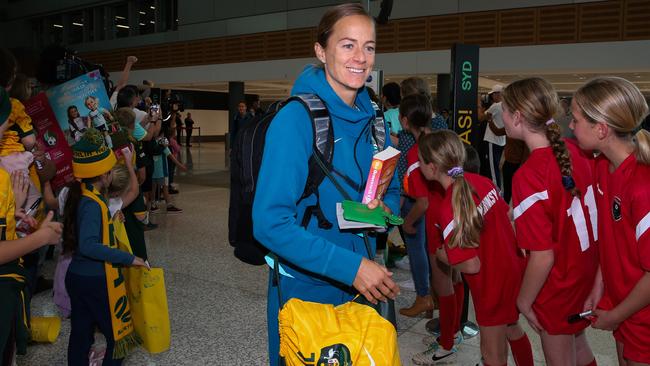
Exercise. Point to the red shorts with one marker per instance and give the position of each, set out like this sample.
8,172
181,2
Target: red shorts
636,340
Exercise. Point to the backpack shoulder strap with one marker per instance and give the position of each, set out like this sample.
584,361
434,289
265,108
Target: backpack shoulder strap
321,123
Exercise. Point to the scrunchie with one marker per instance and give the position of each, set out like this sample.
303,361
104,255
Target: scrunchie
455,172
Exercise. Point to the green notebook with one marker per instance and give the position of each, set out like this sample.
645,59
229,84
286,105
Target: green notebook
357,211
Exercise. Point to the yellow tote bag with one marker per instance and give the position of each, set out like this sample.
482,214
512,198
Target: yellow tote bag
349,334
147,299
149,311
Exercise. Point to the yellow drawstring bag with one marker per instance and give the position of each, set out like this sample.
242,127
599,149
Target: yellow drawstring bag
349,334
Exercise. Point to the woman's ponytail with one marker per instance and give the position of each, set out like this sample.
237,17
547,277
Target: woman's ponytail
562,156
467,218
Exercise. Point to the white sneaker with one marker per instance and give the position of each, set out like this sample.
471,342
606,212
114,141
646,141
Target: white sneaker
436,356
432,341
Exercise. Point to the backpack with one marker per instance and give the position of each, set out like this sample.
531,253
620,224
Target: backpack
246,159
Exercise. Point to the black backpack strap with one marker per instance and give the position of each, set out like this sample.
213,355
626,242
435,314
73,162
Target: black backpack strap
323,149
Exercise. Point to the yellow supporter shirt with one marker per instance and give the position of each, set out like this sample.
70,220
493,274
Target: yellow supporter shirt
20,125
7,208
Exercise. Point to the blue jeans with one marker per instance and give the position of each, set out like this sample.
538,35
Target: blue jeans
416,248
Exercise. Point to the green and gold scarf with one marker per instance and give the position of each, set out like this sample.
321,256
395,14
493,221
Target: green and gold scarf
123,330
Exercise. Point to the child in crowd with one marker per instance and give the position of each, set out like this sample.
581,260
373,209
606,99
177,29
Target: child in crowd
94,283
607,116
415,116
97,116
161,172
554,215
472,213
18,139
135,213
13,324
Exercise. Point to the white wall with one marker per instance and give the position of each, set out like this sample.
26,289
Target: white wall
212,123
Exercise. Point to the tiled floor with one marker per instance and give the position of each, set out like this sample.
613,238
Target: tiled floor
217,304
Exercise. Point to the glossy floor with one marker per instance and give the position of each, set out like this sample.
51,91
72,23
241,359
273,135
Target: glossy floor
217,304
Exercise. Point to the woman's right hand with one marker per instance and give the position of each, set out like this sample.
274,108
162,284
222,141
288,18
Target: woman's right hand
375,282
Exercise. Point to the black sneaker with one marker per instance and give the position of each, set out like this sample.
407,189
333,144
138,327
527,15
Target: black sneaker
173,209
150,226
173,191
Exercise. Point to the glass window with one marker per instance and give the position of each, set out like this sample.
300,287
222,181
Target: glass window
121,20
147,16
76,27
54,34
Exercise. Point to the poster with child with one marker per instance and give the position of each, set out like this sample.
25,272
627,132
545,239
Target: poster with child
81,103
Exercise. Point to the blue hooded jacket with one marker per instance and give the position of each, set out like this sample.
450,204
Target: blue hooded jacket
314,254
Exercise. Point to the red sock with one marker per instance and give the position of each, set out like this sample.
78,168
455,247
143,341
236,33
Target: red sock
459,292
592,363
447,316
522,352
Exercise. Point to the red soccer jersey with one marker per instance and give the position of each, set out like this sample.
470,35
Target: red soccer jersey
495,287
623,200
415,185
434,233
548,217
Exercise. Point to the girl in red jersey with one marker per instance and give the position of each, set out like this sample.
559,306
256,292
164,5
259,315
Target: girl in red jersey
473,212
554,208
607,115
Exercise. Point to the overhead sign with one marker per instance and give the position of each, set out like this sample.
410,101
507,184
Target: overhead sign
464,81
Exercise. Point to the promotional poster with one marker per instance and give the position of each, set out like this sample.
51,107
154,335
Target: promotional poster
51,139
81,103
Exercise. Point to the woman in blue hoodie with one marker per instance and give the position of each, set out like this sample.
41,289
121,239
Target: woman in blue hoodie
323,265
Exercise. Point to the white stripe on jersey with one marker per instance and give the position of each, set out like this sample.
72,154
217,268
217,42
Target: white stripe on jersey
448,229
529,202
412,167
643,225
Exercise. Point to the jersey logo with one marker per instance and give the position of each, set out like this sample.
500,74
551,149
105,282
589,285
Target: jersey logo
335,355
616,209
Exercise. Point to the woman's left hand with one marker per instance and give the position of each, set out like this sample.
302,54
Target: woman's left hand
605,320
379,203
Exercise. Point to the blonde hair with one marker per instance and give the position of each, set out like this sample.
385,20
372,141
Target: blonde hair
445,150
619,104
538,102
121,179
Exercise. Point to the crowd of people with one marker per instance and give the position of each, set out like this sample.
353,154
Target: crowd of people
111,190
560,237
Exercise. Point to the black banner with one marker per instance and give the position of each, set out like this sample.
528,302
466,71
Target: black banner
464,81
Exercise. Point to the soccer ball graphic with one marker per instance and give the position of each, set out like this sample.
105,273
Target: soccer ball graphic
50,138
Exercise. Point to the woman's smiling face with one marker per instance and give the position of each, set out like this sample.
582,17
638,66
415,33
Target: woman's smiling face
349,55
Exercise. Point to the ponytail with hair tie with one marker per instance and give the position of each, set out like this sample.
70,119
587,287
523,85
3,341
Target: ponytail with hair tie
455,172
